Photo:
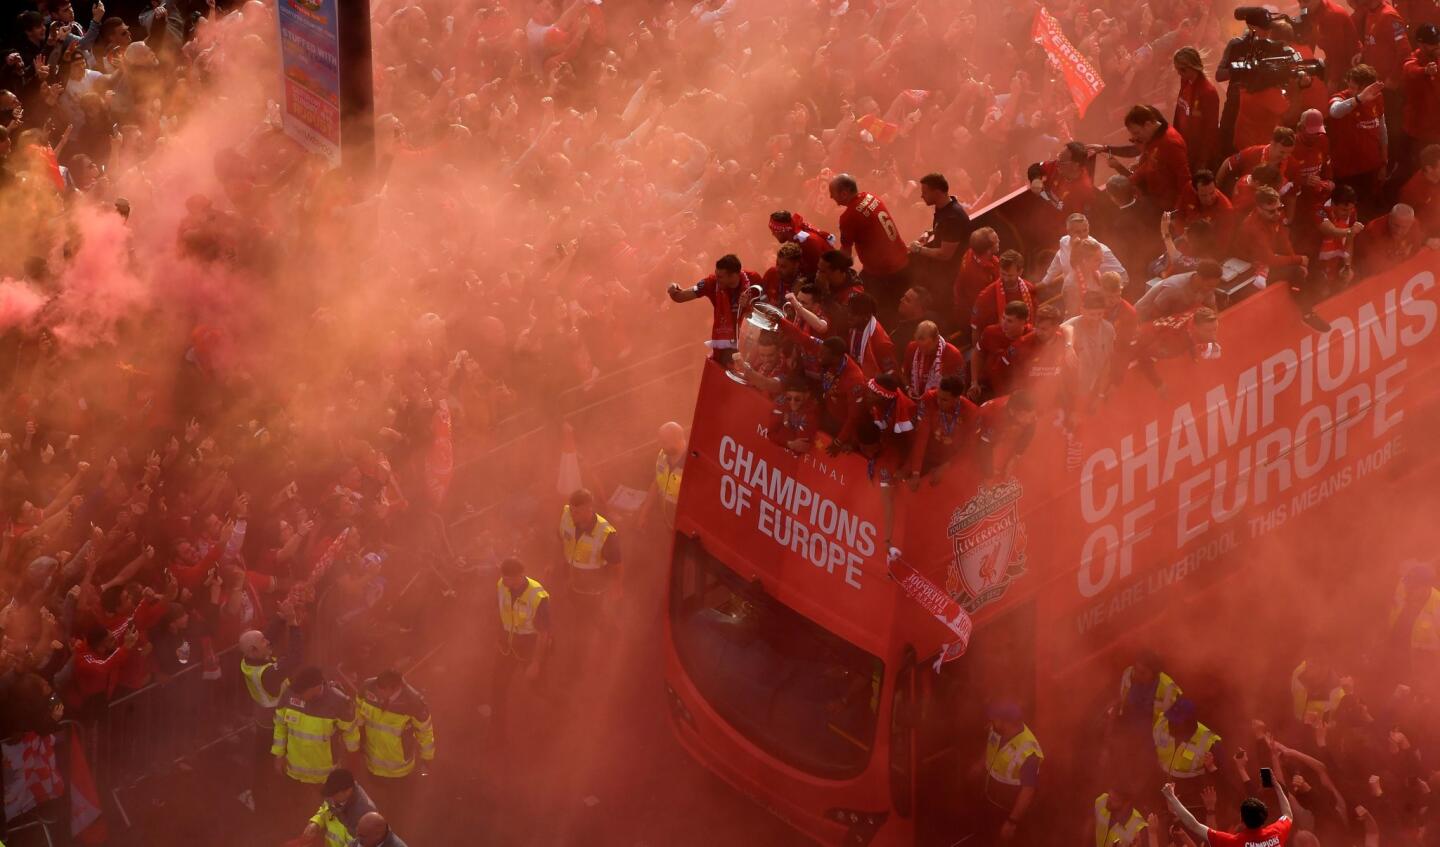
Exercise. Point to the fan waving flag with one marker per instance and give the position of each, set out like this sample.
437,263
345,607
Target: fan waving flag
1081,77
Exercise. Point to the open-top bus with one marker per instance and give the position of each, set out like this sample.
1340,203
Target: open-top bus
800,672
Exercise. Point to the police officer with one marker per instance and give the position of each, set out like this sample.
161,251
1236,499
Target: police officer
592,569
267,680
1117,823
669,468
1012,773
398,734
307,721
1187,750
1415,626
339,815
524,638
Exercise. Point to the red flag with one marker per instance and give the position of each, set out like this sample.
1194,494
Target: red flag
934,600
440,461
1081,77
86,822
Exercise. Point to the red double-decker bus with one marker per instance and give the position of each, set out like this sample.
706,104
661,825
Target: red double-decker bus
800,672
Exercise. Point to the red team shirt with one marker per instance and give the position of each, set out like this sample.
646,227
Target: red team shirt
1005,358
1384,43
1271,835
939,436
1197,119
726,303
1355,141
866,226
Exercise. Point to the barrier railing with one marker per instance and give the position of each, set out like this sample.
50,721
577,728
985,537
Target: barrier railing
152,730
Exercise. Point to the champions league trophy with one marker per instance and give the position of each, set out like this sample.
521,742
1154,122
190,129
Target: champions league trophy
760,317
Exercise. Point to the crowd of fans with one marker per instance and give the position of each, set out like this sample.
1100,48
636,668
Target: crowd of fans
228,374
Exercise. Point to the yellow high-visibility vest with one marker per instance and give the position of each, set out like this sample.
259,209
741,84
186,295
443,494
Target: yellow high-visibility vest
385,726
583,553
1166,691
1305,704
1109,832
1183,760
1425,633
255,683
667,482
303,733
1003,760
517,615
340,824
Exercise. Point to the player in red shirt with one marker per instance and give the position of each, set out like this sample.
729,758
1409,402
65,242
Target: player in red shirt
1422,192
837,278
786,276
1308,167
1065,182
1387,241
841,380
1384,43
1264,241
1050,369
1338,227
1207,203
1004,427
868,231
1276,153
929,359
1197,109
789,227
1254,831
1162,175
1422,89
979,267
1189,334
1331,30
944,422
870,344
725,289
1000,355
795,420
990,302
1358,138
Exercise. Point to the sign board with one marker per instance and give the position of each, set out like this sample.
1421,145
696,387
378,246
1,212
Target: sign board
310,63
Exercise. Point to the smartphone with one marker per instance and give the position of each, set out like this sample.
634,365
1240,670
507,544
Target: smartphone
1267,779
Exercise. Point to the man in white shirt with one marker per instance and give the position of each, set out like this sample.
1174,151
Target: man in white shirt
1093,340
1077,227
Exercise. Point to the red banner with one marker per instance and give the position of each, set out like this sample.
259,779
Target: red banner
1081,77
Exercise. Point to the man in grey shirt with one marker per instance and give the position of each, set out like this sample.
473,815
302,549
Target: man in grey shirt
1180,293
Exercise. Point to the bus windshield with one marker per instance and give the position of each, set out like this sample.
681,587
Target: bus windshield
795,690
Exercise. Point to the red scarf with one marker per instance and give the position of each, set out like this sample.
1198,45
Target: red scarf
1024,297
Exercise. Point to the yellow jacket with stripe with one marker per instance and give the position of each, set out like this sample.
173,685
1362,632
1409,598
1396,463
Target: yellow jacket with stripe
305,732
395,731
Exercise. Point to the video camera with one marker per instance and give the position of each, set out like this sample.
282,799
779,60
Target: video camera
1259,63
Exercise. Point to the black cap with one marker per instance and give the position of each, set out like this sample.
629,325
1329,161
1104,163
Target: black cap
1428,34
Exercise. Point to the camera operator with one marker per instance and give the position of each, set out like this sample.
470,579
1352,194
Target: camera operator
1257,65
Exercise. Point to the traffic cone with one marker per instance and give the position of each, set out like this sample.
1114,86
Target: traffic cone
567,480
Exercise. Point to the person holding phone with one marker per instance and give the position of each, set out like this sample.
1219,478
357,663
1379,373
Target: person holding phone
1254,831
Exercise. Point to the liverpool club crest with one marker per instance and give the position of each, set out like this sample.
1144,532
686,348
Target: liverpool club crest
988,540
